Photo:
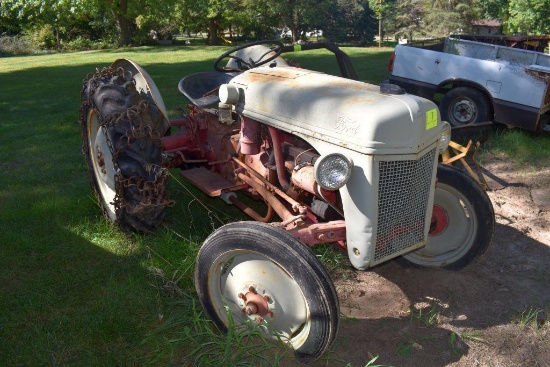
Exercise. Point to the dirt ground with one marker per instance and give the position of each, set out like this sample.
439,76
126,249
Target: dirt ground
494,313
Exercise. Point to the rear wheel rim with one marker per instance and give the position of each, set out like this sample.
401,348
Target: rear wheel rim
102,163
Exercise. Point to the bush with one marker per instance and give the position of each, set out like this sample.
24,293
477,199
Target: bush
15,45
83,44
45,37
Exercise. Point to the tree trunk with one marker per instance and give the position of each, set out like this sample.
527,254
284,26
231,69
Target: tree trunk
380,31
120,11
213,32
294,31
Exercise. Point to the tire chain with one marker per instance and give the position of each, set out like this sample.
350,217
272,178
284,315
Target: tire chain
152,193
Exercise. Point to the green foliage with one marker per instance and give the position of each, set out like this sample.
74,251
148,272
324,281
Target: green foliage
45,36
127,22
408,19
528,17
350,20
243,345
529,318
492,9
83,44
428,317
450,17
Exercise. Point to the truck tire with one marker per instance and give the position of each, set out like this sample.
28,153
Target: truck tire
463,223
463,105
123,151
241,263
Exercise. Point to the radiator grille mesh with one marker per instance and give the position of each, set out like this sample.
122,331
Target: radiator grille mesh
403,193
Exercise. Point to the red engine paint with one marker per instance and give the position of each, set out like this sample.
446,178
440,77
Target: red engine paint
177,141
250,136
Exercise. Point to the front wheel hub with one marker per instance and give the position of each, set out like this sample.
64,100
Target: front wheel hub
440,220
255,304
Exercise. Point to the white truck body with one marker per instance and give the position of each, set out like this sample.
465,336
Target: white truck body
514,81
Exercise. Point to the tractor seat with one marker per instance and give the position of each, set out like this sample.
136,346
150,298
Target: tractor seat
195,86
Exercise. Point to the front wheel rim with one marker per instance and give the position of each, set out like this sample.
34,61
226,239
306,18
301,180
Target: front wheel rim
255,289
451,242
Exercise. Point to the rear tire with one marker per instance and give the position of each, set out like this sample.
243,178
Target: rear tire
463,223
123,151
244,256
463,105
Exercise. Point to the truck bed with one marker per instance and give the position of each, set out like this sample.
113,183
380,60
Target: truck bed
515,81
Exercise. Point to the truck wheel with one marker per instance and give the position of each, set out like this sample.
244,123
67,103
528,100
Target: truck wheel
463,105
257,273
463,223
123,151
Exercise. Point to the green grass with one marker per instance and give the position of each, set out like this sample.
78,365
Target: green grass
74,291
528,150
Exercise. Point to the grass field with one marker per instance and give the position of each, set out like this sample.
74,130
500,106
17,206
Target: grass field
73,290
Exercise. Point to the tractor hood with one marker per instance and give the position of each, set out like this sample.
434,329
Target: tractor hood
339,111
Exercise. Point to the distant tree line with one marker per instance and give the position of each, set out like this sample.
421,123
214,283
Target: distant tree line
57,23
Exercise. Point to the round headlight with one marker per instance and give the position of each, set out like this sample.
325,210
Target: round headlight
445,137
332,171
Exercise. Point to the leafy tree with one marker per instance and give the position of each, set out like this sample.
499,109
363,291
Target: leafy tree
301,16
450,16
254,19
10,19
382,9
409,19
350,20
528,17
492,9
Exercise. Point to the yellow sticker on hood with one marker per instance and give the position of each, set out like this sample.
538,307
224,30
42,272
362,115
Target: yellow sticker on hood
431,119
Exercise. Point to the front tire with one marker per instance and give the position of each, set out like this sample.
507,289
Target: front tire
463,223
463,105
242,263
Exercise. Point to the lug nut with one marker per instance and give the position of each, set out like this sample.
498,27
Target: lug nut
267,298
252,289
269,313
259,319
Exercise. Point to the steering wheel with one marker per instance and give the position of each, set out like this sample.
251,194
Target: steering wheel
273,53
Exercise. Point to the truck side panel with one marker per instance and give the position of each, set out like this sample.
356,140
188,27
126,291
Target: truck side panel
501,79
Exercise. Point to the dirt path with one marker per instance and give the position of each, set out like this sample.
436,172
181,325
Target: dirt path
475,317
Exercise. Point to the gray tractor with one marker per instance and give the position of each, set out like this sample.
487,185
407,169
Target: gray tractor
334,160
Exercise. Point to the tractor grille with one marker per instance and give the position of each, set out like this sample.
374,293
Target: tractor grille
403,193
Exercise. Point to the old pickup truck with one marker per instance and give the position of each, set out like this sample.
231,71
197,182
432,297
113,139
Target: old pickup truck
476,82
